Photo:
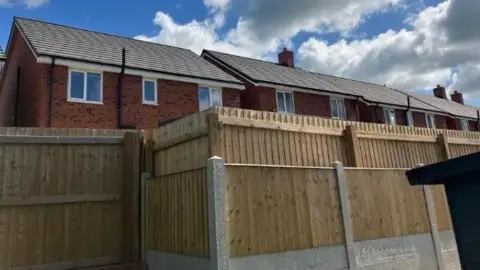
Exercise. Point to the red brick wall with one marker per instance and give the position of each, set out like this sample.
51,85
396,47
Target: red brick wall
419,119
231,98
473,125
175,99
400,117
443,122
259,98
312,104
19,55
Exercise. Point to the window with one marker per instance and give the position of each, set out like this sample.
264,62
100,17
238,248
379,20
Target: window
337,107
465,125
285,102
150,92
410,119
85,86
209,97
390,118
430,119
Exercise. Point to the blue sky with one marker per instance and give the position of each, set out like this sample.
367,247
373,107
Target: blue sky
355,44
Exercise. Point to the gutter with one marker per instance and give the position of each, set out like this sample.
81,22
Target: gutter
50,101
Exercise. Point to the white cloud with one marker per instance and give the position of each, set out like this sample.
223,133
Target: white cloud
31,4
420,58
438,46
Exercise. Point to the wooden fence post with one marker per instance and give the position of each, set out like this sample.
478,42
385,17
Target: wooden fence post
214,139
148,158
347,221
143,214
442,141
217,218
130,197
432,219
353,148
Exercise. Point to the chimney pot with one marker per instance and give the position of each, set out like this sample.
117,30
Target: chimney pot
440,92
457,97
286,58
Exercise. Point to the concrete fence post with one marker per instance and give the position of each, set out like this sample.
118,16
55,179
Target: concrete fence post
432,220
347,221
217,219
143,215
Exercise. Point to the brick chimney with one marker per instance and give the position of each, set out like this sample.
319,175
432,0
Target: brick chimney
285,58
457,97
440,92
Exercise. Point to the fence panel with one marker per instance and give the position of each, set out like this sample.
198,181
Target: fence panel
383,204
60,198
281,209
458,150
177,213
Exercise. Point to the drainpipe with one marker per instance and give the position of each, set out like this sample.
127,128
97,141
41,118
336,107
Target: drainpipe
357,109
50,103
120,125
478,120
408,110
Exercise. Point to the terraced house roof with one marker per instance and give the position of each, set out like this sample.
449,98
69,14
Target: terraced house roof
47,39
258,71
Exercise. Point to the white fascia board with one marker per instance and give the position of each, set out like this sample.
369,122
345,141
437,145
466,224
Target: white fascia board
145,74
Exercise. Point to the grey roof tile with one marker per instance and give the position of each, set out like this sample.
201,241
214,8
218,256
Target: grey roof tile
263,71
64,41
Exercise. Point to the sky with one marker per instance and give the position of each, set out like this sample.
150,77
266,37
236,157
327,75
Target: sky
412,45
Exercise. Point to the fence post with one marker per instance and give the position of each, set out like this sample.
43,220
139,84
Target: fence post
432,219
442,141
353,149
148,158
130,197
347,221
214,138
217,219
143,215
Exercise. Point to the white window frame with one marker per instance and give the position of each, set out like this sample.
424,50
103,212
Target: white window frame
410,121
148,102
84,99
465,124
386,115
433,120
210,103
344,109
285,100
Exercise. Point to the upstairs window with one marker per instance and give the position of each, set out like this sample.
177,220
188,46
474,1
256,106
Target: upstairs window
85,86
209,97
410,119
337,107
430,119
465,125
389,115
285,102
150,92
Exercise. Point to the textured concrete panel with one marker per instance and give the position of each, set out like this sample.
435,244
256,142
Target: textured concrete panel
330,257
449,250
406,253
157,260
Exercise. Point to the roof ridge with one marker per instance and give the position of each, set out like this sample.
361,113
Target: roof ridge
100,33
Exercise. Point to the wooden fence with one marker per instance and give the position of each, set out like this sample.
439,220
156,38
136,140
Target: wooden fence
275,209
176,210
68,198
255,137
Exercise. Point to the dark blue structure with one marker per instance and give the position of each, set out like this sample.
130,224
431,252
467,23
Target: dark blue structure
461,177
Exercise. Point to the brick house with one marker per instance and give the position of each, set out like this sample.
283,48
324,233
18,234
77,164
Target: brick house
60,76
284,88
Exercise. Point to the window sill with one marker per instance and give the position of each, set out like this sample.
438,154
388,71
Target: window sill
85,101
150,103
